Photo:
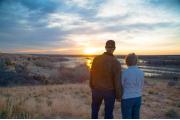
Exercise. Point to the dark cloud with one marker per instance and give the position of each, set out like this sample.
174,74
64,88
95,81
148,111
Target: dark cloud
43,6
23,23
170,5
15,13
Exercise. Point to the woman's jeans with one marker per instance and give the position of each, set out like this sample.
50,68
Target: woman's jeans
109,99
130,108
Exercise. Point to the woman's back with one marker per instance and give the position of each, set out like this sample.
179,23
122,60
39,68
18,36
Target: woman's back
132,82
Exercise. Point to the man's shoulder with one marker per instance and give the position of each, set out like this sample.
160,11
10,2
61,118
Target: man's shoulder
107,57
97,57
102,56
116,60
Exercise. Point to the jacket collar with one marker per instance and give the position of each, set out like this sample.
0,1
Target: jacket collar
106,53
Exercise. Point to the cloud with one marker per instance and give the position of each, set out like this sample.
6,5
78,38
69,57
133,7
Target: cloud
23,24
172,5
64,21
112,8
68,24
79,3
137,11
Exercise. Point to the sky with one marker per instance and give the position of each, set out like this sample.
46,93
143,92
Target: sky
149,27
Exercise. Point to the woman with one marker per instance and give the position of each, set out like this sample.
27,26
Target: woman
132,84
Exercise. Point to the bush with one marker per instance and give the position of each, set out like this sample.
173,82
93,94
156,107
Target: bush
78,74
3,114
21,68
23,115
2,64
172,83
42,79
5,62
178,104
8,62
151,92
12,110
171,113
43,63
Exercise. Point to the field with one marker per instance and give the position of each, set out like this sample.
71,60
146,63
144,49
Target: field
53,86
160,100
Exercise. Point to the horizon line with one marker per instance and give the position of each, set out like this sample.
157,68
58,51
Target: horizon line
88,54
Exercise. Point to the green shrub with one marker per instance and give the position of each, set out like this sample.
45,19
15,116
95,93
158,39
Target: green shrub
178,104
171,113
3,114
8,62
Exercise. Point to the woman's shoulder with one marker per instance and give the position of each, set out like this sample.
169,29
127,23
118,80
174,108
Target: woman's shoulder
135,69
140,71
125,71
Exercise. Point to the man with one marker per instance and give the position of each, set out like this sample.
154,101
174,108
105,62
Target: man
104,81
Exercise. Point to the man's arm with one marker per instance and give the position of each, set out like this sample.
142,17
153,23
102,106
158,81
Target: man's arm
117,80
91,73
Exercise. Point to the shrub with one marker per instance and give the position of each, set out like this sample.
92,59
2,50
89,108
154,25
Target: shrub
78,74
151,92
40,79
178,104
11,110
2,64
44,64
8,62
49,102
21,69
171,113
3,114
172,83
23,115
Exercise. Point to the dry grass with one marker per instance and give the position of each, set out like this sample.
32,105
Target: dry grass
74,100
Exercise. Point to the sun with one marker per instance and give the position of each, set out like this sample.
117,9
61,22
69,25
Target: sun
90,50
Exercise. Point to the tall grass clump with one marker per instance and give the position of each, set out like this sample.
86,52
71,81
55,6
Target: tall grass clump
12,110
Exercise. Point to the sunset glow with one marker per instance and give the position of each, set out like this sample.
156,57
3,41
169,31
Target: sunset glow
90,51
149,27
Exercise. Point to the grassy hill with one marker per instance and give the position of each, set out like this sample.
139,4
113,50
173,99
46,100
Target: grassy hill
160,100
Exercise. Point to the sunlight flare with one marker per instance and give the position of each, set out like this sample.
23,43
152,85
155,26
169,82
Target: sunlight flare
90,50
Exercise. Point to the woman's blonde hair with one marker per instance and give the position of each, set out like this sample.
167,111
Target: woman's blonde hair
131,59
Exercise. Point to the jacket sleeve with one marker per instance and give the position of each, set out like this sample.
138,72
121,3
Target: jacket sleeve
91,72
117,79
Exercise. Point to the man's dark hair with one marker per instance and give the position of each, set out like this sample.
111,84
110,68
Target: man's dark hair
110,44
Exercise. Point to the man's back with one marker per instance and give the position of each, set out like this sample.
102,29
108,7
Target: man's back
104,81
104,70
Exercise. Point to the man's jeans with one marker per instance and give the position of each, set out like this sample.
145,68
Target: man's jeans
109,99
130,108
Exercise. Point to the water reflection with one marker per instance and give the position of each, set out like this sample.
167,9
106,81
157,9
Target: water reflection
152,71
89,62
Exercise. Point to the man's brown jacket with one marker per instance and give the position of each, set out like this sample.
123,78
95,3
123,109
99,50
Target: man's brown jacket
105,74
